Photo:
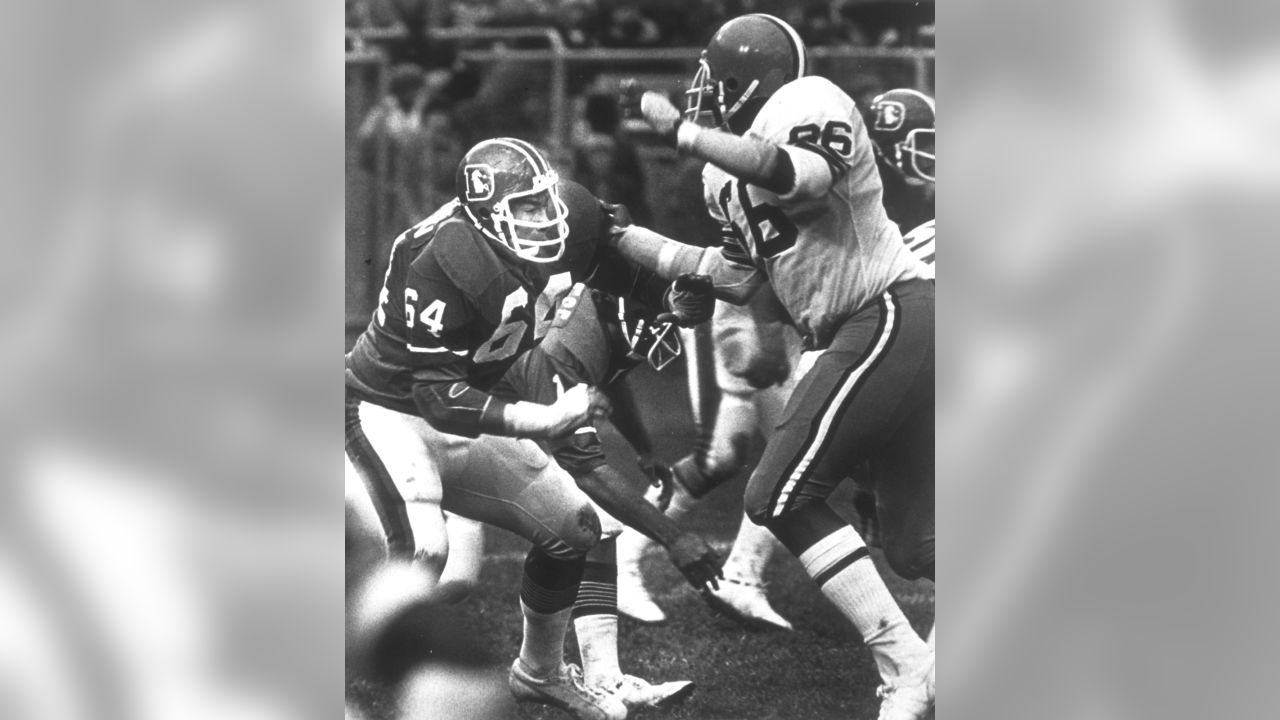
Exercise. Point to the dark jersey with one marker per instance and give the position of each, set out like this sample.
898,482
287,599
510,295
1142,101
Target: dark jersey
584,345
455,311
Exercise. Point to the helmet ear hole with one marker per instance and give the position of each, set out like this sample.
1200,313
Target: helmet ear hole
731,84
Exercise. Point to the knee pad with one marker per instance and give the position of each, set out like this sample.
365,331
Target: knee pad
576,532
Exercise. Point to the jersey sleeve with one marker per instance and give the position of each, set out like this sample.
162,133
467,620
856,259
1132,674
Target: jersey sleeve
818,126
443,313
732,245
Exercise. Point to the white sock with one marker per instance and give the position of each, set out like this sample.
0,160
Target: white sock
752,549
632,545
598,645
840,565
542,649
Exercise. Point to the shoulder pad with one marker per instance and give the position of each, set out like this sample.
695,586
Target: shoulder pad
810,99
462,254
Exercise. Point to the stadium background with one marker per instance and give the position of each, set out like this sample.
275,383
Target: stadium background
547,72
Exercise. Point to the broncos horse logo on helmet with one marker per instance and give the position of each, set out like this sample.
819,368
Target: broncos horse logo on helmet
902,127
499,172
745,63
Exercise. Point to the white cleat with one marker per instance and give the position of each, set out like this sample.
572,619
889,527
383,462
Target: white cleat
566,691
744,602
638,693
910,699
634,600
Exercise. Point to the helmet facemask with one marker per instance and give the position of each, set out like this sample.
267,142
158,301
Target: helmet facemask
917,154
646,340
708,98
540,241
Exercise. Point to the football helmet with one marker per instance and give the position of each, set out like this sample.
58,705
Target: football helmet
494,174
745,63
902,127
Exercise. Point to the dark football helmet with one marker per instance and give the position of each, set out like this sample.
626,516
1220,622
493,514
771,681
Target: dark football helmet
745,63
902,127
494,174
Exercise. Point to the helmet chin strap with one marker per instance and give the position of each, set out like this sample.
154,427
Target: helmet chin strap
746,95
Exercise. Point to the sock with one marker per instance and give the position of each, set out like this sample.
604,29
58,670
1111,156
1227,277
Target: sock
839,563
752,549
595,622
547,593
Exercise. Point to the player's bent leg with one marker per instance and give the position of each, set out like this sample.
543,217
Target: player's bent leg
539,674
904,473
840,411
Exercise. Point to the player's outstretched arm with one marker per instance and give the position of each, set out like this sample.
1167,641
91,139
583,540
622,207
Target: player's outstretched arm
781,169
693,557
669,259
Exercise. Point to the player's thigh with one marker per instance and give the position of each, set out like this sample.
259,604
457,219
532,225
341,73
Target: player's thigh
514,484
400,471
877,371
903,473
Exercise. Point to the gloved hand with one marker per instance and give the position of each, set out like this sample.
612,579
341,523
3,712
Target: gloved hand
689,301
696,560
618,217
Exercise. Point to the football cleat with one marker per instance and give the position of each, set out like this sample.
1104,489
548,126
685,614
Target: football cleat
634,600
566,691
908,699
744,602
638,693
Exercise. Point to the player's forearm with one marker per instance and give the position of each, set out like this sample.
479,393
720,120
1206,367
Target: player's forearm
610,491
661,255
626,417
751,160
459,409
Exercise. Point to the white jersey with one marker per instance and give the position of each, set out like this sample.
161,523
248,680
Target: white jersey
828,256
920,242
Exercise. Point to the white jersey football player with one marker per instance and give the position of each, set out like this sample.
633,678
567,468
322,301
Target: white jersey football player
792,178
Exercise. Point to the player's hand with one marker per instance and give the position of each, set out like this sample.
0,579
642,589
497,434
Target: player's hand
697,561
659,474
578,407
689,301
617,215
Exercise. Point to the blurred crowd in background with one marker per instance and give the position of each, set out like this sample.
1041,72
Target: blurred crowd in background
661,23
423,99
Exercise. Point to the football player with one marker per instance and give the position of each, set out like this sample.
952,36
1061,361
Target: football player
903,130
594,339
740,376
467,290
791,175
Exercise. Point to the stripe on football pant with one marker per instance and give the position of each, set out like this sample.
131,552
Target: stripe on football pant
387,500
820,435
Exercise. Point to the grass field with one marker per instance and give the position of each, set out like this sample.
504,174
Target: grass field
819,671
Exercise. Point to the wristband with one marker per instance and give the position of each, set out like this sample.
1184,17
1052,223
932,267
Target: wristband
686,135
